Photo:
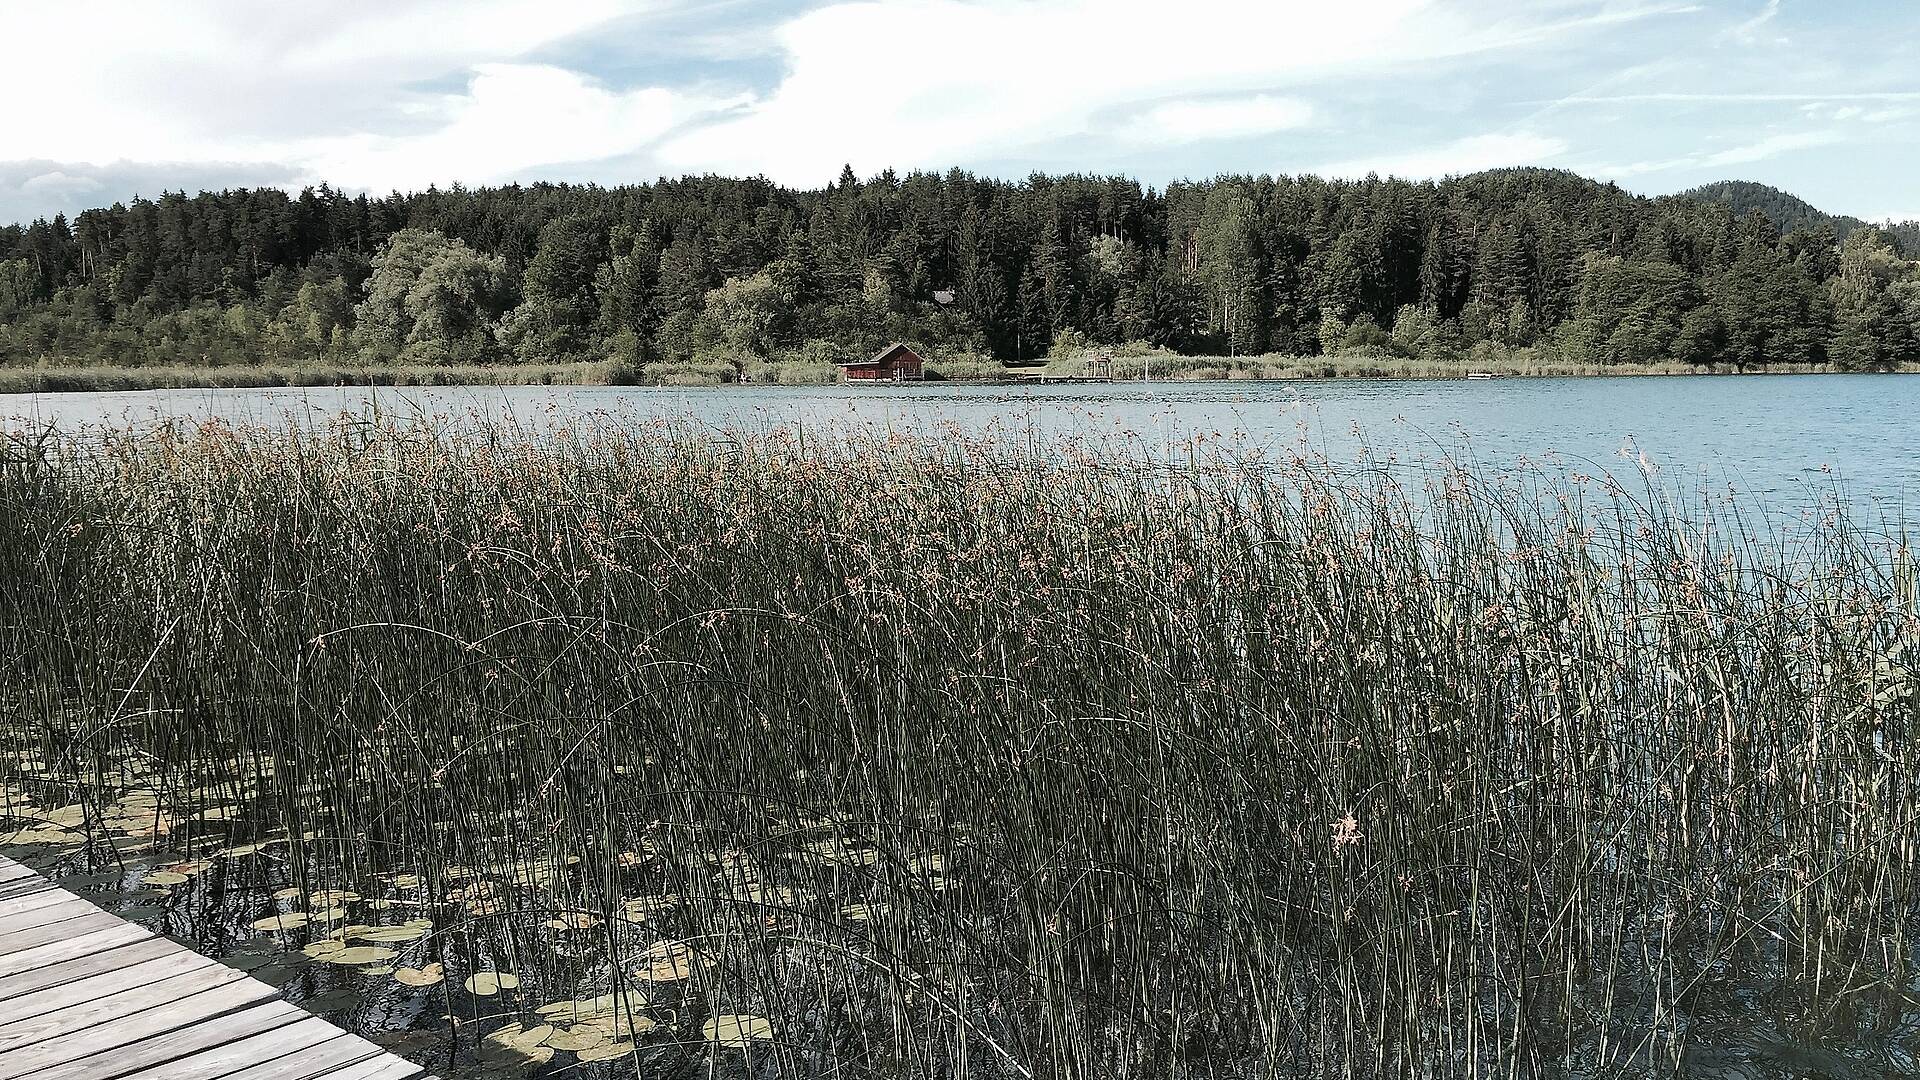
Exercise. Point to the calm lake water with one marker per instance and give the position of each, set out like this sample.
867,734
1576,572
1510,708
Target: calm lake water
1787,437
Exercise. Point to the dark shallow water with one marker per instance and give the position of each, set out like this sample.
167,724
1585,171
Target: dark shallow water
1782,436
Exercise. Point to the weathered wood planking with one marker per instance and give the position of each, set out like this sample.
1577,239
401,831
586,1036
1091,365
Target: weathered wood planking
85,995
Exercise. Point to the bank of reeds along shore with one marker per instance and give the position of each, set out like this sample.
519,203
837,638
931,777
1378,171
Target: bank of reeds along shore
669,754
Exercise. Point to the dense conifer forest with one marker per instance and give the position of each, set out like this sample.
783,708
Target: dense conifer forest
709,278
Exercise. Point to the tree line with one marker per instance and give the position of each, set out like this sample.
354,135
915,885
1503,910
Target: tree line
711,276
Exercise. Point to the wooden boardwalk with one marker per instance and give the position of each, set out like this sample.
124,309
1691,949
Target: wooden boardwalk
86,995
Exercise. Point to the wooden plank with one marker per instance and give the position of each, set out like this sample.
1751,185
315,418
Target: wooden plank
129,1001
124,957
84,995
26,886
384,1067
292,1045
176,964
73,925
47,1051
13,890
38,911
34,903
255,1028
341,1052
79,945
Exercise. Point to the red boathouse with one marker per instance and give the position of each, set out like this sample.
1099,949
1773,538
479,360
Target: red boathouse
895,363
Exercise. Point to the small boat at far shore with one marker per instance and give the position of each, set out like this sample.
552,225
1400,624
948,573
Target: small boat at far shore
1482,375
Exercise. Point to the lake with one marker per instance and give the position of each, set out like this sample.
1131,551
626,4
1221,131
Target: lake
1786,437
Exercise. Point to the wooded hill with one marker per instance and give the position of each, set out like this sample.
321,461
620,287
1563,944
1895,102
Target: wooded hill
704,276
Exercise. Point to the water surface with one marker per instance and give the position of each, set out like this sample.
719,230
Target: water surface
1784,436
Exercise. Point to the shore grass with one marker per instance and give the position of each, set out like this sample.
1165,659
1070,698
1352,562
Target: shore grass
948,759
55,379
1168,366
92,378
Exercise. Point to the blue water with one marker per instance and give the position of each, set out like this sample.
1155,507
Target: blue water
1788,437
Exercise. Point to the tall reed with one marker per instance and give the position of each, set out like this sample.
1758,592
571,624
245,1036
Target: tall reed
967,760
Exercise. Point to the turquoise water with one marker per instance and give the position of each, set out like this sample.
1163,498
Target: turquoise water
1786,437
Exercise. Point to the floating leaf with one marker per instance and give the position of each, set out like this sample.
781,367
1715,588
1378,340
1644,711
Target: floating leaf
590,1008
431,975
322,949
489,983
357,956
606,1051
292,920
577,1039
391,935
736,1031
573,920
626,1025
667,961
519,1038
165,877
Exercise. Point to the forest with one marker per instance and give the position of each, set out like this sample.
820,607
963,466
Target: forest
709,279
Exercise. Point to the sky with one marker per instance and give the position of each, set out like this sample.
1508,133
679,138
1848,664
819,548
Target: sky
112,98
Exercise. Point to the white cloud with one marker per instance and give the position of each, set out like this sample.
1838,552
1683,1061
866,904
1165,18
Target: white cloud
1770,147
1234,118
1735,98
511,118
58,181
927,83
226,80
1469,155
1748,31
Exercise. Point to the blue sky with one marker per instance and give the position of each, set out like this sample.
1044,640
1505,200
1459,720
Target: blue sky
1816,96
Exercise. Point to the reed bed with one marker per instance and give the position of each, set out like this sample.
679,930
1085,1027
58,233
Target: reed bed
643,751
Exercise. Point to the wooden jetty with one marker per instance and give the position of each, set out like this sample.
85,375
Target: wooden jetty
86,995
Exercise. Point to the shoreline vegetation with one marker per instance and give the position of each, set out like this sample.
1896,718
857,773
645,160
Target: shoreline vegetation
706,280
95,378
942,759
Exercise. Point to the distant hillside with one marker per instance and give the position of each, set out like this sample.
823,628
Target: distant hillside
712,279
1788,212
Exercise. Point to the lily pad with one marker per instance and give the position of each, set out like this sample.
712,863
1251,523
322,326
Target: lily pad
292,920
390,935
489,983
358,955
736,1031
606,1051
519,1038
431,975
627,1025
667,961
577,1039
